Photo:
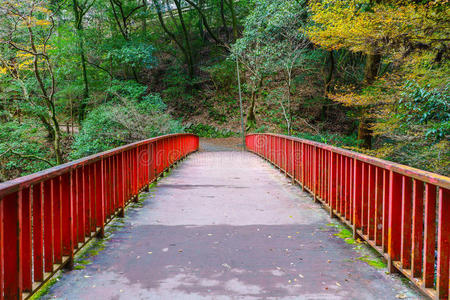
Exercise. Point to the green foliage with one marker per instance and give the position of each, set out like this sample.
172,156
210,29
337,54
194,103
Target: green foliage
179,91
426,107
19,143
205,130
127,118
223,74
135,54
331,139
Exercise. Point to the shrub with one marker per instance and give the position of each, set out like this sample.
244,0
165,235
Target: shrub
21,144
123,121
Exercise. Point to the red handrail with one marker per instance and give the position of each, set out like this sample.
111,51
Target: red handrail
46,217
391,206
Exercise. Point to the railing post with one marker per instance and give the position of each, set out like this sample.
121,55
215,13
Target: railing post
406,222
12,222
121,170
430,236
357,196
67,218
315,172
417,229
48,226
293,160
332,183
38,217
378,205
442,283
386,210
101,207
303,157
57,218
395,222
27,251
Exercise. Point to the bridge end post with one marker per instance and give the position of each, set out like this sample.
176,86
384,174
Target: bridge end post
69,266
136,198
101,233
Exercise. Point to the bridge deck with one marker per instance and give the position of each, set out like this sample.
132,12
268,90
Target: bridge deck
227,225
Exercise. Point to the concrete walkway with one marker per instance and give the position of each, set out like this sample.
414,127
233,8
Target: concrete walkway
227,225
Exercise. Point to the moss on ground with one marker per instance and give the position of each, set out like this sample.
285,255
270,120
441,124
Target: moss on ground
372,259
45,288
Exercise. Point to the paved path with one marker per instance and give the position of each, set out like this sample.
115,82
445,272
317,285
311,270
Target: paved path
227,225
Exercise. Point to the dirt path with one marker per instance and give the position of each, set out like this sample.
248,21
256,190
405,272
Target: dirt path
224,144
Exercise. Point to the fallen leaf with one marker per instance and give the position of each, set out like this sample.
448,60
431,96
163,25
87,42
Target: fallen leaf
301,276
338,284
400,296
150,252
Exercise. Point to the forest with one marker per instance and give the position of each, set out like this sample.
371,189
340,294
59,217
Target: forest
78,77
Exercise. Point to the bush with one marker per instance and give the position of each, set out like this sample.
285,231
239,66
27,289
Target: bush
332,139
123,121
27,142
223,74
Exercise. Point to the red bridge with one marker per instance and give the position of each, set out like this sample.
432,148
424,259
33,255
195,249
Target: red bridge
225,225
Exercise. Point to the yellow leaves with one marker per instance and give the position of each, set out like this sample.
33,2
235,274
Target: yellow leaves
43,23
3,71
362,26
43,10
23,55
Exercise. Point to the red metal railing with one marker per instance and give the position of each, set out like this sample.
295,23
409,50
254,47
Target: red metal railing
402,212
46,217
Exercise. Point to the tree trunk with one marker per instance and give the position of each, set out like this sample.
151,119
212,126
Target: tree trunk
85,95
251,117
187,54
224,21
234,19
144,19
78,14
329,70
373,62
190,61
200,23
289,109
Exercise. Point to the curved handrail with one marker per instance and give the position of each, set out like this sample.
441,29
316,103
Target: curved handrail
48,216
402,212
422,175
15,184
